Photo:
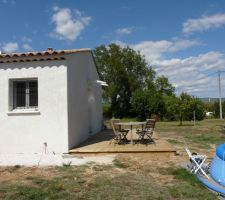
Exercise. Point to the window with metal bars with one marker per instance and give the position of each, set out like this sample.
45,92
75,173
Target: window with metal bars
25,94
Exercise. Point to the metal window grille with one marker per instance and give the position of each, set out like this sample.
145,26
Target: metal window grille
25,94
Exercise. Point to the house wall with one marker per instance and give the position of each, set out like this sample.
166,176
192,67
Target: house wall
95,98
26,133
84,98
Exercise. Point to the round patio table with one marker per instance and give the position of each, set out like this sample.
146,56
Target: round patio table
131,124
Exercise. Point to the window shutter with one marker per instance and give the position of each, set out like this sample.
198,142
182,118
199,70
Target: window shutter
10,95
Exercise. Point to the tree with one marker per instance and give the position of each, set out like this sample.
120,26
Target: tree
147,102
217,109
183,108
125,71
209,107
223,109
140,103
163,86
172,105
189,105
198,107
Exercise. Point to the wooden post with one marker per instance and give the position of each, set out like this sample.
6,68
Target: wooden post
194,117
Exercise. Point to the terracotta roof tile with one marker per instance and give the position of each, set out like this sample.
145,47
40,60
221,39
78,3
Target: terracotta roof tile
38,56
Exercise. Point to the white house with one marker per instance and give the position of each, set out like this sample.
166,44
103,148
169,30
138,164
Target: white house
48,99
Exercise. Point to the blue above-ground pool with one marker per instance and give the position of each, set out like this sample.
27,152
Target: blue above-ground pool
217,169
216,181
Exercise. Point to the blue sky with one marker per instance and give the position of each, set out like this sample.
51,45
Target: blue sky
183,40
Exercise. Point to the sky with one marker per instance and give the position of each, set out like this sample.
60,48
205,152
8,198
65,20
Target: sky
183,40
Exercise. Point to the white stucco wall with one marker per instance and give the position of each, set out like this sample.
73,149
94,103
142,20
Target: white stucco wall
95,98
69,105
22,133
84,98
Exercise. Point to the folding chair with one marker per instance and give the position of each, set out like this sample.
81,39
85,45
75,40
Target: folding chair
150,125
120,134
148,130
198,161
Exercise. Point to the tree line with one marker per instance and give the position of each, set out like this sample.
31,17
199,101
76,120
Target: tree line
135,90
215,108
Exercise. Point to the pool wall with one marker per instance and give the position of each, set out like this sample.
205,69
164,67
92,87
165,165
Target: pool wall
217,169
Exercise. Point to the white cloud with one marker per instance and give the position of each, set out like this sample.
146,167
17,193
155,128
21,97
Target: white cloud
68,25
10,47
27,47
178,45
120,43
153,50
124,31
204,23
188,74
8,2
26,39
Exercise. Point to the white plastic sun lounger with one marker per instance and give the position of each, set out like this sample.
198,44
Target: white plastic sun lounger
198,161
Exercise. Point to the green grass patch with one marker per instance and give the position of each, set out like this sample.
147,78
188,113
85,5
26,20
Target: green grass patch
203,134
173,141
186,185
119,164
184,175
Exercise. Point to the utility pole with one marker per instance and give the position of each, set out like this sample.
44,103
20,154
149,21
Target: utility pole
220,102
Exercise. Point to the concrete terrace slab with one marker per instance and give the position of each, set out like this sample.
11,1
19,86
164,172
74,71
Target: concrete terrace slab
100,143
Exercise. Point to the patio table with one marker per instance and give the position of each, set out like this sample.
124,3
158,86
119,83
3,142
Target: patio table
131,124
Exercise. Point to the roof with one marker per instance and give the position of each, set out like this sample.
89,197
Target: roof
50,54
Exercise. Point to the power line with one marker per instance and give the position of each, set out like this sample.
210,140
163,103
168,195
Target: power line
207,76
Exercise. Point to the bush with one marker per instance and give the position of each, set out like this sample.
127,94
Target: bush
106,111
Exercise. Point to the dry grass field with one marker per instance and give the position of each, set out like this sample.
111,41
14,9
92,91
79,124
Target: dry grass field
131,176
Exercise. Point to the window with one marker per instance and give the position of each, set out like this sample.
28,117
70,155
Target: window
25,94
